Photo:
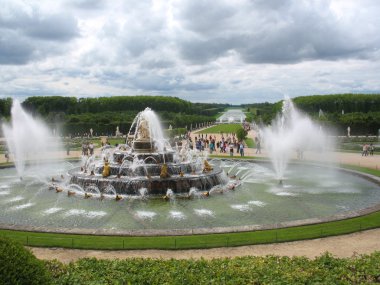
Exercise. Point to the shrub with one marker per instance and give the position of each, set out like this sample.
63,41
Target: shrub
19,266
241,134
324,269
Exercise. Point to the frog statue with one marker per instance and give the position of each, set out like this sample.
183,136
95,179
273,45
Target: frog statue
164,171
206,166
106,169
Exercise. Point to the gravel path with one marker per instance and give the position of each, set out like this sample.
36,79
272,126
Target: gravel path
340,246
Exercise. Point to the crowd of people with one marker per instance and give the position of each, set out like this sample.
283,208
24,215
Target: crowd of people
368,149
87,148
224,145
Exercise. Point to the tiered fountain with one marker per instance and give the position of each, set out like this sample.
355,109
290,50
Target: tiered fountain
147,161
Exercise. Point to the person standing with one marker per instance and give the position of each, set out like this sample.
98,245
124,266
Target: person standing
365,150
91,148
68,148
258,146
371,149
6,154
241,149
231,149
211,147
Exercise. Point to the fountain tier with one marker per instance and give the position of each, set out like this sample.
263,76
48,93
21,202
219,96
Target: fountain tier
155,184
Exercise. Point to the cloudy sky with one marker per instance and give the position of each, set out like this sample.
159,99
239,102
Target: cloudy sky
235,51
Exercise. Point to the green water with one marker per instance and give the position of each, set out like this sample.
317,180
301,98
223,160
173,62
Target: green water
307,192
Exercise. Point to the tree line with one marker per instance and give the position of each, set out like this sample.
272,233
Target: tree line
339,103
360,112
77,115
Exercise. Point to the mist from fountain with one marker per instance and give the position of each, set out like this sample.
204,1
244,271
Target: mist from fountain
291,131
109,189
143,192
193,192
170,195
27,137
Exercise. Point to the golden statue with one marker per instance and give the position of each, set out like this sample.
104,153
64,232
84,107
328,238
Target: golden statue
206,166
106,169
164,171
58,189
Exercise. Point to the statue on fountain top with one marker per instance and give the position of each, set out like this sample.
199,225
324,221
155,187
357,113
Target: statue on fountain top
143,130
183,151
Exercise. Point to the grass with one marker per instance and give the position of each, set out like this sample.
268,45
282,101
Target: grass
222,128
250,142
195,241
112,141
76,144
370,171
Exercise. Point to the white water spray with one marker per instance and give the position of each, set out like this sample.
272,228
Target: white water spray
26,137
291,131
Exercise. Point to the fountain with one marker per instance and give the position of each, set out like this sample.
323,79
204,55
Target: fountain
146,186
148,161
291,131
27,138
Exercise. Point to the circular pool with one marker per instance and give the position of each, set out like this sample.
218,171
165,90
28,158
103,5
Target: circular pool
308,194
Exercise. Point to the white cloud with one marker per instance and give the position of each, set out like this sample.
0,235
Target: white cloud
213,51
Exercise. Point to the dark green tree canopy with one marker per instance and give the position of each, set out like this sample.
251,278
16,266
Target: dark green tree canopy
360,111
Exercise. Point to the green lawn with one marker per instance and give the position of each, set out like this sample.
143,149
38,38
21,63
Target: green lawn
371,171
76,143
222,128
250,142
195,241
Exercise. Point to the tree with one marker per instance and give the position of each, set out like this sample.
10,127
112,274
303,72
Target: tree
5,107
241,134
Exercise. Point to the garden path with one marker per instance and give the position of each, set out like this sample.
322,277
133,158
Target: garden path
349,245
